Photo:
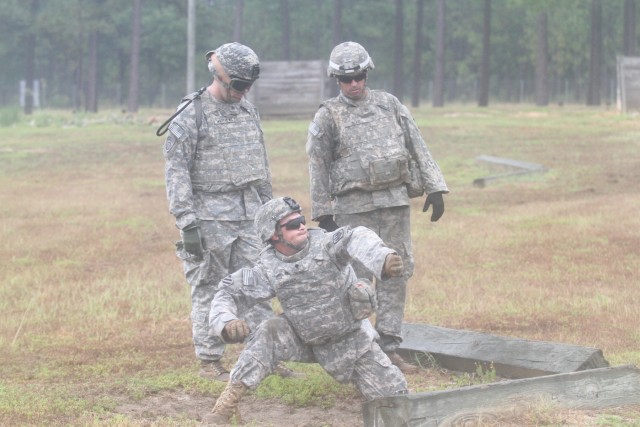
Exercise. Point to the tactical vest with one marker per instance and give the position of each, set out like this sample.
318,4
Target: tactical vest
313,293
230,155
371,153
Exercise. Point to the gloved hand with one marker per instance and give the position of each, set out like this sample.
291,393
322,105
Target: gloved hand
192,239
327,222
393,266
236,331
434,199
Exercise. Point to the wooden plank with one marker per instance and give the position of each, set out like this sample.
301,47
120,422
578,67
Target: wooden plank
467,406
461,350
523,168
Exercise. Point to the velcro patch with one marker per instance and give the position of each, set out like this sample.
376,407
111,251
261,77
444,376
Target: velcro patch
337,235
177,130
314,129
247,277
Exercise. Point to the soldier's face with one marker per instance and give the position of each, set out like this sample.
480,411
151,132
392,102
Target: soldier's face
353,86
295,236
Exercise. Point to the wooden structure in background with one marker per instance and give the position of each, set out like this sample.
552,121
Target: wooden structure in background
290,88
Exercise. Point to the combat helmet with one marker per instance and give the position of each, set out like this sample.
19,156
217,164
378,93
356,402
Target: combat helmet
239,61
271,212
349,58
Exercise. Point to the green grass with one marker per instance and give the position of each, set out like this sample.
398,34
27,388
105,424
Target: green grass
96,309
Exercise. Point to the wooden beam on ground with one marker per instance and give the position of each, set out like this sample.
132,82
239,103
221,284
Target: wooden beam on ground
522,168
464,351
486,403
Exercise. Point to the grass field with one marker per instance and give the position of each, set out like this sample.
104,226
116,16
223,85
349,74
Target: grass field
94,310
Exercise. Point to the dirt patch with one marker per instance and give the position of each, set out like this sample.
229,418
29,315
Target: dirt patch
254,411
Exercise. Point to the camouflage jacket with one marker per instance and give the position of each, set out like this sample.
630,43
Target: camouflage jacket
312,288
219,171
375,125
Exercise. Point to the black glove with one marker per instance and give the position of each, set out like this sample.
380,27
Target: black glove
235,331
327,222
192,239
434,199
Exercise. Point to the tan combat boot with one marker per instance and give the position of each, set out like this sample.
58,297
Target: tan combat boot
405,367
227,405
213,370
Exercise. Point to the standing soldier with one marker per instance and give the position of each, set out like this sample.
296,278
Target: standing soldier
325,307
217,176
366,159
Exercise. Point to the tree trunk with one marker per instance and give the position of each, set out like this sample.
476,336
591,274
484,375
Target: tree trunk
336,37
237,27
441,31
134,78
336,23
91,97
286,30
542,53
30,62
191,46
398,71
417,58
483,87
629,31
595,58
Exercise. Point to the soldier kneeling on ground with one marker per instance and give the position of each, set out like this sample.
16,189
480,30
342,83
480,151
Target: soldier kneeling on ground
325,307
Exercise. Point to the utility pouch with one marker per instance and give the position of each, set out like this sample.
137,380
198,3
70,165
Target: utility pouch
362,299
414,186
384,171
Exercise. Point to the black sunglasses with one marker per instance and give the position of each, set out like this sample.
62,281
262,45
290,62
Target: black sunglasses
294,224
237,84
349,79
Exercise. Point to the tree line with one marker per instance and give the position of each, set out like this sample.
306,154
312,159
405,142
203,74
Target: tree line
84,53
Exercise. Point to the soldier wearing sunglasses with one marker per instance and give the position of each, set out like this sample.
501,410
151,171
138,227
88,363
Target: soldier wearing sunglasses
325,307
367,158
217,177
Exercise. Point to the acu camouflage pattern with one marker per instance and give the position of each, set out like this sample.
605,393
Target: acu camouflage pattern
349,58
237,60
393,226
384,210
329,141
207,182
317,325
228,246
221,175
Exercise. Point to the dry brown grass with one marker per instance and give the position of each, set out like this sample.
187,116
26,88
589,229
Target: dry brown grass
95,311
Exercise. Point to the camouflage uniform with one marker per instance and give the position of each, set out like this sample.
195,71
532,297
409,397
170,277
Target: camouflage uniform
217,174
362,154
317,324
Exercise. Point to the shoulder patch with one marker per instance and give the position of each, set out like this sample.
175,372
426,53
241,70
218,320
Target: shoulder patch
177,131
314,129
226,282
337,235
168,144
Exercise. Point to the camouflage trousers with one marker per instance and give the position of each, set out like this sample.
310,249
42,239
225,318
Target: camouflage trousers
229,246
393,225
354,358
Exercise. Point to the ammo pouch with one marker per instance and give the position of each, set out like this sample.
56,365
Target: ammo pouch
384,171
362,299
414,186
